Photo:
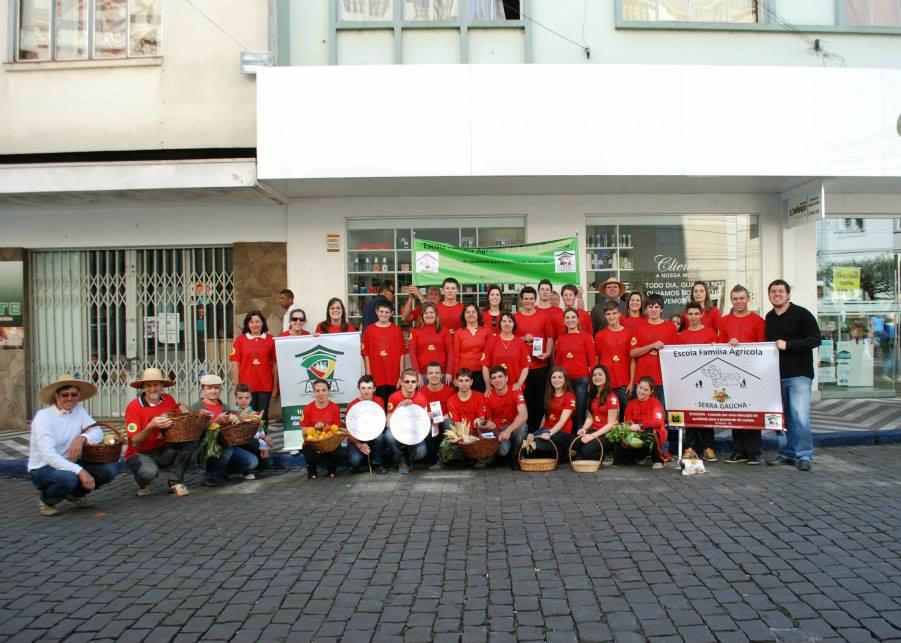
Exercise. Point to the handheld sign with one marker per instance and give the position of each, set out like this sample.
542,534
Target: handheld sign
410,424
365,420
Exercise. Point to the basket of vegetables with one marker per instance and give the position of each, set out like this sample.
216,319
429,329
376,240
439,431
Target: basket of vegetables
585,466
326,439
187,426
110,448
530,445
240,432
474,446
625,436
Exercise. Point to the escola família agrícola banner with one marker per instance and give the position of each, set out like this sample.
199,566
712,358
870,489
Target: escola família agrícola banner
720,386
528,263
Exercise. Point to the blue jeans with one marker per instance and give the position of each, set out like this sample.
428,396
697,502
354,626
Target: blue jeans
56,484
358,460
580,388
796,443
512,445
232,460
417,452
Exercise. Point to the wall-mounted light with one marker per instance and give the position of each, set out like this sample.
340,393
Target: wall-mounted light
251,61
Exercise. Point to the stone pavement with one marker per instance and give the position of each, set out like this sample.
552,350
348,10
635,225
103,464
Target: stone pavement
627,554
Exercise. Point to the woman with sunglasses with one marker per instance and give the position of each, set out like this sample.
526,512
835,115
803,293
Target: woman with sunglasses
295,324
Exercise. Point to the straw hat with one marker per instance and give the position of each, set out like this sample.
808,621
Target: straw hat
47,394
152,375
611,280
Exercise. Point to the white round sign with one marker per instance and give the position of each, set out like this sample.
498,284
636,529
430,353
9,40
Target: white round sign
410,424
365,420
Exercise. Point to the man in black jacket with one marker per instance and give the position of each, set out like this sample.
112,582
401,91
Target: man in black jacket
796,333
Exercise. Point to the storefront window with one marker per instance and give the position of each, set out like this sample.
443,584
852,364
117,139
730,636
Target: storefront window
857,302
380,251
667,254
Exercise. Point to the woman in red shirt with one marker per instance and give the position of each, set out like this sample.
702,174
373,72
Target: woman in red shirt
470,341
559,406
576,353
335,319
319,413
710,314
603,416
295,324
634,312
644,413
430,343
491,314
253,362
507,350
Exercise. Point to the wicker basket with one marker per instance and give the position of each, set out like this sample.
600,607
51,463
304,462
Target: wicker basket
538,464
186,427
103,453
234,435
585,466
329,444
481,448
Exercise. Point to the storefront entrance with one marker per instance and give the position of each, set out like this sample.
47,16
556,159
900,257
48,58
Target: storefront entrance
858,306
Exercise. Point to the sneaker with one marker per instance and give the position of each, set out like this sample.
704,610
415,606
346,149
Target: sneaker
736,458
657,465
143,490
312,475
709,455
753,460
804,465
689,454
403,468
780,459
250,476
179,489
47,510
81,502
212,482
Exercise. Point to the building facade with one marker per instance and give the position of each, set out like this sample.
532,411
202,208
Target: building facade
674,139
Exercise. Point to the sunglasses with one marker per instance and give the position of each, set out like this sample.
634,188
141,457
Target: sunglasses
411,381
299,319
66,396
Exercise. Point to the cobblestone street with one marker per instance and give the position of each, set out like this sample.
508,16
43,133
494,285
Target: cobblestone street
739,553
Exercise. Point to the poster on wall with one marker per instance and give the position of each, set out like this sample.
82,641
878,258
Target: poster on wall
556,261
723,387
826,362
12,304
303,359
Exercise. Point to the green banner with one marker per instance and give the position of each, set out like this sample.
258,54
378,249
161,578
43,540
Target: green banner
557,261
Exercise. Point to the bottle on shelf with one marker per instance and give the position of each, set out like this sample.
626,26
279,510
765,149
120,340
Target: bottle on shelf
356,264
366,264
384,264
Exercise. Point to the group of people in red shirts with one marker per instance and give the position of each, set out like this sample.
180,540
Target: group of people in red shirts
576,375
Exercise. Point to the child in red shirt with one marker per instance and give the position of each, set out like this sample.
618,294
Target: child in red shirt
356,450
613,344
383,352
319,413
645,414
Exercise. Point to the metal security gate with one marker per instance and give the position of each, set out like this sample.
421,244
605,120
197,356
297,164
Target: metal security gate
104,315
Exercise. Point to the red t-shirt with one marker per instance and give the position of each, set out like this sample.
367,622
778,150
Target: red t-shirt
710,318
322,328
649,414
287,333
428,345
384,346
490,321
555,315
612,347
631,324
375,399
512,354
312,414
537,325
748,328
138,414
450,316
554,411
469,410
648,333
560,326
398,396
469,348
575,352
704,335
599,411
255,357
213,409
503,409
441,396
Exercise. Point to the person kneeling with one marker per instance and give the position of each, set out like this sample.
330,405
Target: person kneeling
58,435
320,414
557,423
358,451
508,415
465,407
406,455
644,414
237,459
602,417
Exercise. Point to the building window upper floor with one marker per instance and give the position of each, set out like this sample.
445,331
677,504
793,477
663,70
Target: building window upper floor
64,30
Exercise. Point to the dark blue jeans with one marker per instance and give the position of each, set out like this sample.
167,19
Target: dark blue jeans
580,388
376,448
55,484
232,460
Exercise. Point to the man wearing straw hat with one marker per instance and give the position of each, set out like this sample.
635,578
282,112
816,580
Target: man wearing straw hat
57,437
612,290
147,450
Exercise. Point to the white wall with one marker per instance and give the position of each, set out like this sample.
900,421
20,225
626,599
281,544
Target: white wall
316,275
192,97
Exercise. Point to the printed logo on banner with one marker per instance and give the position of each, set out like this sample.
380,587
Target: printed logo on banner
773,421
427,261
719,374
564,261
319,363
676,418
